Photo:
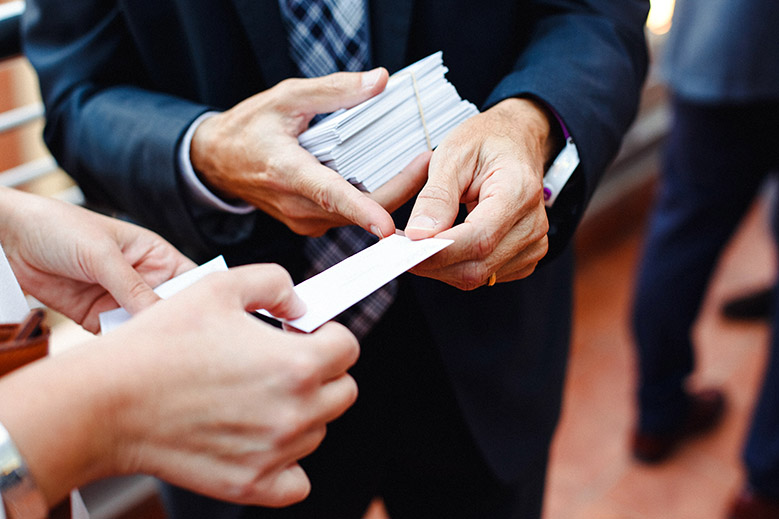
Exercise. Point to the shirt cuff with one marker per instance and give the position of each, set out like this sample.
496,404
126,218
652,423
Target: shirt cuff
563,127
197,189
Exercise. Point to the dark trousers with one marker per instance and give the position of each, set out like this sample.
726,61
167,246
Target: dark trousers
404,440
717,158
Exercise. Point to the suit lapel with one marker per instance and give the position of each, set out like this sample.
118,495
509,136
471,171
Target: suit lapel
390,25
261,21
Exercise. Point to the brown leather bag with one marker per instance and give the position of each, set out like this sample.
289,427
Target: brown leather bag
22,343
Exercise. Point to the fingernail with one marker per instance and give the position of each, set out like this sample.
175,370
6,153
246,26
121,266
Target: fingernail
375,230
371,78
421,222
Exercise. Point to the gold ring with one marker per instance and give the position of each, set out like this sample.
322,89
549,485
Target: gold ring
493,278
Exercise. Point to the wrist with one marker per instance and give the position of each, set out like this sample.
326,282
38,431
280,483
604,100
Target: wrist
22,499
202,153
60,427
11,201
130,396
538,123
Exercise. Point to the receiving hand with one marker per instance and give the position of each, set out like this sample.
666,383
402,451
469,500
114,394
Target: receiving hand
82,263
494,163
223,403
251,152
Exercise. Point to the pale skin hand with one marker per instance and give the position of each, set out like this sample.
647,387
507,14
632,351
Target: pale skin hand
82,263
192,390
251,153
494,163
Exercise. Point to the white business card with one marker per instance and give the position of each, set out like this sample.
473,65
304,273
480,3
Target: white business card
334,290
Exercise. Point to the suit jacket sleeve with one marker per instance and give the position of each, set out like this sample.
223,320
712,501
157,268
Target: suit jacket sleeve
587,59
118,141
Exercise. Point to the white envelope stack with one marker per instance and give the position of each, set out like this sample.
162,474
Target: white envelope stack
373,141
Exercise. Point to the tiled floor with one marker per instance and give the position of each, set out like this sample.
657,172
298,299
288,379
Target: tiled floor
592,475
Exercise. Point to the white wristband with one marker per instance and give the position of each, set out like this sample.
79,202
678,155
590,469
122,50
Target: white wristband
560,171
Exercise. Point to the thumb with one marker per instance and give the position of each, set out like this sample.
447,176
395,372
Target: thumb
436,206
335,91
267,287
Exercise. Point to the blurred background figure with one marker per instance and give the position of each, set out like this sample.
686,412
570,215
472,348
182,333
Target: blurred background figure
752,305
720,64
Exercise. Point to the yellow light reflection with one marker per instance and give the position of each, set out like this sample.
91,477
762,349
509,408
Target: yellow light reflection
660,13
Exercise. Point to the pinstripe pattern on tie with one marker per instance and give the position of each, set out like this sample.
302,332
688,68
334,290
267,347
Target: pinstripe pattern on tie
327,36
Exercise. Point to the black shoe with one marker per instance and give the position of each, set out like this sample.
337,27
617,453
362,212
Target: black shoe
752,306
704,414
749,505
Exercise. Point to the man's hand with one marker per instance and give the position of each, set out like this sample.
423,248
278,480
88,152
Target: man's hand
494,163
221,403
193,390
82,263
251,152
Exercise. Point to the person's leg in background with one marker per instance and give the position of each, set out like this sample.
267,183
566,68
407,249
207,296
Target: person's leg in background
756,303
760,495
713,169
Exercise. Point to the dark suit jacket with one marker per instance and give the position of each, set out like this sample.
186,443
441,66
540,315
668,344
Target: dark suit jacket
123,79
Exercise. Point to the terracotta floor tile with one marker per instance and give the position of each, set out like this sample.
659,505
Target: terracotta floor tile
674,490
591,472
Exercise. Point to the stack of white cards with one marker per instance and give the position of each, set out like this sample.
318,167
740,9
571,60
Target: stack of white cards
373,141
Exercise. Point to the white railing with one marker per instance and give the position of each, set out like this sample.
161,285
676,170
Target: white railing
21,116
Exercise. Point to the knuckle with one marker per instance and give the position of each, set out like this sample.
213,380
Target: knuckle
353,349
284,90
351,391
332,84
321,195
543,247
213,284
345,337
241,488
291,424
474,275
535,193
278,273
291,493
484,244
434,193
138,288
542,227
318,434
274,169
526,271
302,373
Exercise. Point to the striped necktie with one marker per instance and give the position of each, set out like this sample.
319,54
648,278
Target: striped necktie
327,36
